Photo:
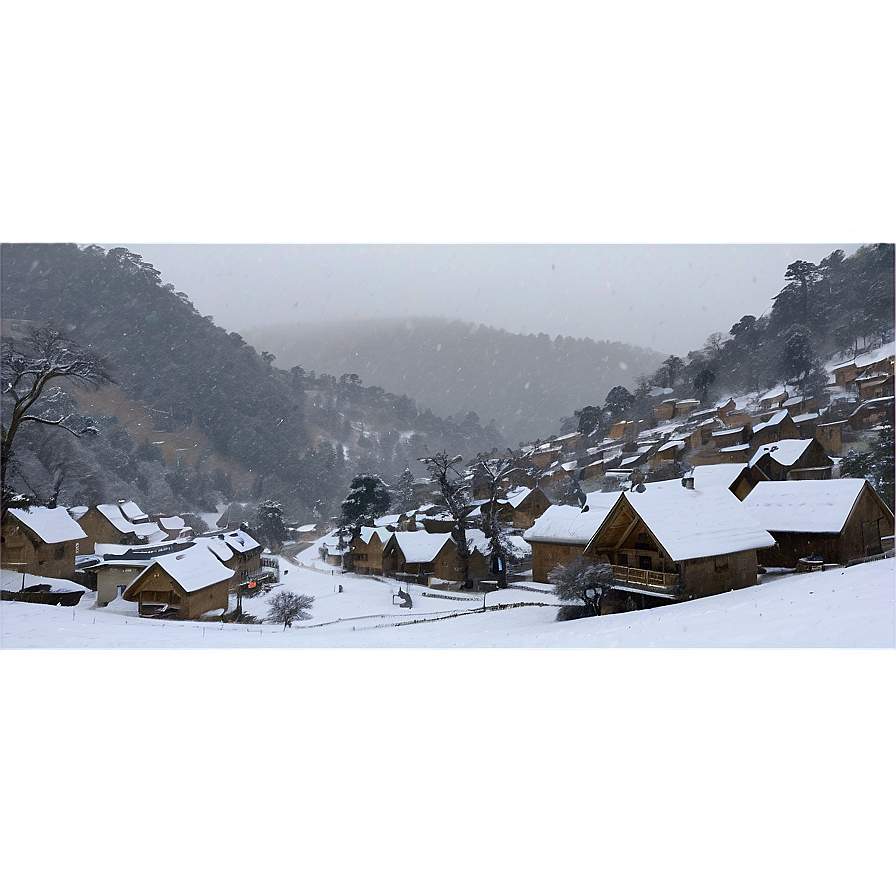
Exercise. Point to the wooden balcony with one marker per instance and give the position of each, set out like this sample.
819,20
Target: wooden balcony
648,579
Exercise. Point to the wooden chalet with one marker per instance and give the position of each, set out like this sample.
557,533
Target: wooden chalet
830,437
121,523
365,551
774,398
562,532
671,543
421,555
838,520
519,508
793,459
779,426
872,413
42,541
874,385
115,566
238,551
187,584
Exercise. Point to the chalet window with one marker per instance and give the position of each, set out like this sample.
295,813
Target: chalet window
644,562
623,559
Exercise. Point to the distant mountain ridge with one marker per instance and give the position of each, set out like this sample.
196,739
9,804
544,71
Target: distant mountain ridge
526,383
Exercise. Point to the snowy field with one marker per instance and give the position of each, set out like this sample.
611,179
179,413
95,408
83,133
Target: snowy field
851,608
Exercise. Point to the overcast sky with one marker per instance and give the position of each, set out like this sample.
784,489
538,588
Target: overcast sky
665,297
605,126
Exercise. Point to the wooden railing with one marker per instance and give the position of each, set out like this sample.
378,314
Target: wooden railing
665,582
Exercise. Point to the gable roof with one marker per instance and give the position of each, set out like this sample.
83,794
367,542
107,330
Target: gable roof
806,505
133,512
238,541
52,525
774,420
693,523
716,475
564,524
786,451
420,547
115,514
191,569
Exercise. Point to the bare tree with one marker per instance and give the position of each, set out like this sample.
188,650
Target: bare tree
455,490
287,606
29,368
493,473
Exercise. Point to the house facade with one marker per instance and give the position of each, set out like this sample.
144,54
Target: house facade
192,583
42,541
838,520
670,543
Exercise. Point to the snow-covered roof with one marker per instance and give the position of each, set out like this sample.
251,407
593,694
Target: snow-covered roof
786,451
732,449
728,432
562,524
805,418
716,475
774,420
237,540
193,569
133,512
172,522
772,394
420,547
808,505
692,523
114,513
367,532
52,525
516,496
10,580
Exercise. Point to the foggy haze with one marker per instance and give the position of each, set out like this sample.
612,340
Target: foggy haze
665,297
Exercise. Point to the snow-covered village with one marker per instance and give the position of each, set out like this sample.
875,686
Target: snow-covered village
738,496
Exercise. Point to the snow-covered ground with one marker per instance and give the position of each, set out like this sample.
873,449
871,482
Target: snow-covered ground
840,607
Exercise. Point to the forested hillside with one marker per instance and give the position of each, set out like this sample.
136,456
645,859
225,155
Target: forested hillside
298,438
453,367
837,308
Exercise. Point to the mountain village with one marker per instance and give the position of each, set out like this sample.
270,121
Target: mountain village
695,502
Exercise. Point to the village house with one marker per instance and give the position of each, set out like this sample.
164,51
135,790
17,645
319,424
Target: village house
115,566
793,459
421,555
872,413
830,437
671,543
42,541
238,551
779,426
562,532
365,550
838,520
174,527
523,506
874,385
121,523
774,398
734,435
191,583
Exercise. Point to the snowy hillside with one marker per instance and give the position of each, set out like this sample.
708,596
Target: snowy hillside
851,607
